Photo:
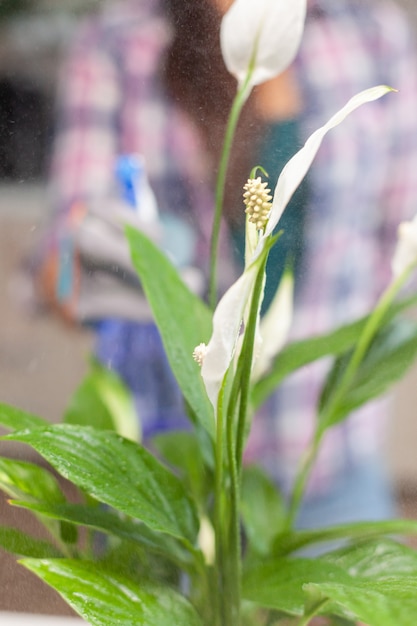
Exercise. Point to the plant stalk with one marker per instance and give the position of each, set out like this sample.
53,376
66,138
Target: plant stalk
238,103
325,417
218,513
247,357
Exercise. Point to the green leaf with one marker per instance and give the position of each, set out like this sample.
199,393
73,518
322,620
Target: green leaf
17,542
263,509
290,542
26,481
111,522
376,559
181,450
23,480
278,584
117,472
305,351
183,320
378,603
390,355
103,401
16,419
379,567
105,598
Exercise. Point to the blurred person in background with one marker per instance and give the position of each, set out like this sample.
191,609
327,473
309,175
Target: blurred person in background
361,185
147,77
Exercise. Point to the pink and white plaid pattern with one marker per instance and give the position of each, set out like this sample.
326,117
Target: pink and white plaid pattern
111,101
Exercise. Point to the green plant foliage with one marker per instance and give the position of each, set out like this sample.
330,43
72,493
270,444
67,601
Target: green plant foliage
111,522
105,598
289,542
181,450
28,481
383,603
376,559
169,299
189,536
383,586
17,542
263,509
16,419
103,401
278,584
374,581
119,473
391,353
300,353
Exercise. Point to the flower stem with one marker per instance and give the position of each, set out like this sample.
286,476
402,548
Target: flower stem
234,560
368,334
306,619
326,417
238,404
247,358
218,513
240,99
300,482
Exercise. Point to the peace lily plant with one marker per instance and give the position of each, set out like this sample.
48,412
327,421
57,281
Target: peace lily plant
189,536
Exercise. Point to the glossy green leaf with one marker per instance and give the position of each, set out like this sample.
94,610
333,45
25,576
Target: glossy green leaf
118,472
305,351
278,584
390,355
16,419
293,541
105,598
300,353
182,319
24,480
377,559
103,401
263,509
335,620
181,450
389,602
17,542
379,567
111,522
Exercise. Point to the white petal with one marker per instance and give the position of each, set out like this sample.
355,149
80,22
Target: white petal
269,29
275,325
405,253
297,167
227,320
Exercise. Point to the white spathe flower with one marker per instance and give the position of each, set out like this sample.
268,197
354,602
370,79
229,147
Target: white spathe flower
405,254
228,316
298,166
227,321
262,35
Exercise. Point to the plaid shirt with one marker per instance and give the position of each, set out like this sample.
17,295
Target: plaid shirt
111,101
362,182
361,185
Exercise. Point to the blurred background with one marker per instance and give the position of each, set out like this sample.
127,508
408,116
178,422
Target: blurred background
42,360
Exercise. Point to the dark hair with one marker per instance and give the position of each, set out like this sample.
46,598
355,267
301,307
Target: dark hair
194,70
196,77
